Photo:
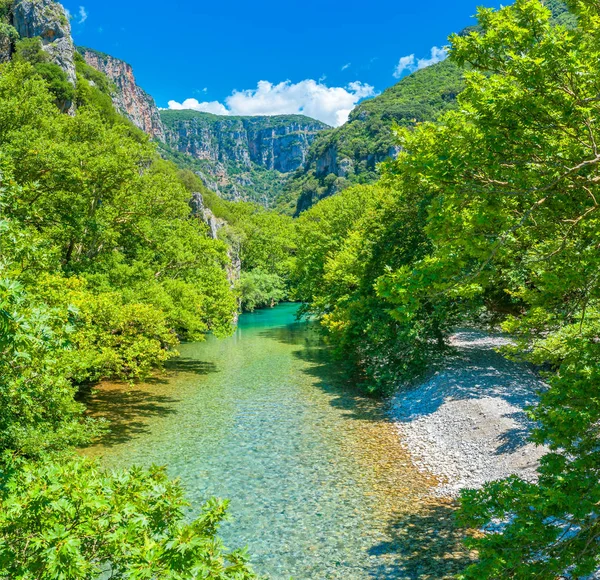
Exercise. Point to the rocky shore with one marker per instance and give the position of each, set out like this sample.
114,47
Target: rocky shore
467,424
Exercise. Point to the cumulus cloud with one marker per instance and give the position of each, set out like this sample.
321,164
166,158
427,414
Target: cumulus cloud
332,105
437,55
405,63
82,15
411,64
213,107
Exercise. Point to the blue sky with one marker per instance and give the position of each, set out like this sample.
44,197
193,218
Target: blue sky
317,56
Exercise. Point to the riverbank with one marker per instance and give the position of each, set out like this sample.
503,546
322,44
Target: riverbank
467,424
319,486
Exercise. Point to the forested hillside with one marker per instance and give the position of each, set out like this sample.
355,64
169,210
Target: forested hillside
484,213
349,154
489,216
103,270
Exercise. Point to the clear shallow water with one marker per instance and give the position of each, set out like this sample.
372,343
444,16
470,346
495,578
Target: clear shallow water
320,486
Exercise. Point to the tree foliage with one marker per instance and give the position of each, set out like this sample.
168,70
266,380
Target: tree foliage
79,522
490,214
30,50
262,240
102,271
348,155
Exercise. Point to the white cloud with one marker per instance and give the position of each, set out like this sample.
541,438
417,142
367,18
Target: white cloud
213,107
347,65
332,105
82,15
68,13
405,63
411,64
437,55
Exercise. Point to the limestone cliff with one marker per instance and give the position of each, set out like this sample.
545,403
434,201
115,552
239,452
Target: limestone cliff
128,98
47,20
240,157
200,211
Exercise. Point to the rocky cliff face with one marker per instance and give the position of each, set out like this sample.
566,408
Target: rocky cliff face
350,154
241,157
277,143
48,20
129,99
200,211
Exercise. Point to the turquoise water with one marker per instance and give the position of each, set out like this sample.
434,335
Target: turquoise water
317,478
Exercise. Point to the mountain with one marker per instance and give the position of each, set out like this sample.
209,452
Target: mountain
289,161
349,154
129,99
240,158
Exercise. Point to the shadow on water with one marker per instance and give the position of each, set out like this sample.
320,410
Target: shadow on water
330,373
129,410
191,366
428,543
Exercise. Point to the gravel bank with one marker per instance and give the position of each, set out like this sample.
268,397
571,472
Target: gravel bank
467,424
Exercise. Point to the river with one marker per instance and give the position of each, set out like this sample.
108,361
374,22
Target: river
320,485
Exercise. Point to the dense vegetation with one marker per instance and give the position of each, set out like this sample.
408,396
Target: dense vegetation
260,243
489,215
350,154
102,272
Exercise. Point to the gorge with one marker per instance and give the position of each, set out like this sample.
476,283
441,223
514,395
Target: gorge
244,345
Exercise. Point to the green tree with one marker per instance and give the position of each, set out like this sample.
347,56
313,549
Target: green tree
514,226
79,522
102,269
30,50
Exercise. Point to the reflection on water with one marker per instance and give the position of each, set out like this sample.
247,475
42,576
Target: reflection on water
319,485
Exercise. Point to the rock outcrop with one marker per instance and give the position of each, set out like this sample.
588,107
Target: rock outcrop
277,143
200,211
49,21
5,48
129,99
241,157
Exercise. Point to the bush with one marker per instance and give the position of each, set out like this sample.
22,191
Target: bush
30,50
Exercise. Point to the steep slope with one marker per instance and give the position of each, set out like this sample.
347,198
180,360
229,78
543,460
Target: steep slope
128,98
349,154
43,19
240,158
